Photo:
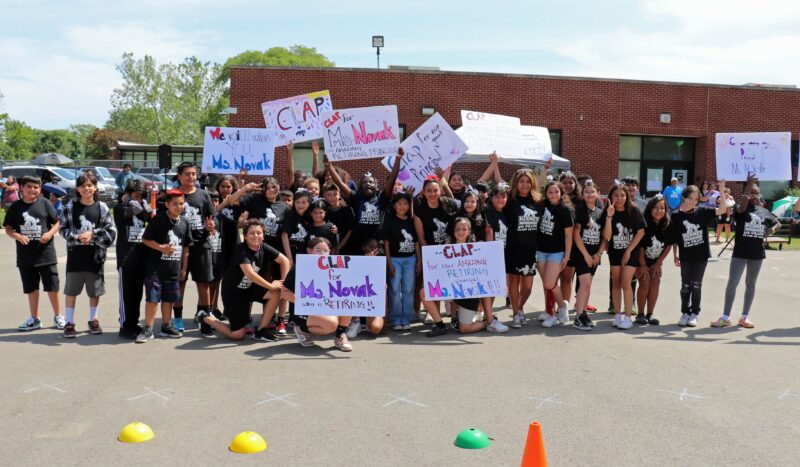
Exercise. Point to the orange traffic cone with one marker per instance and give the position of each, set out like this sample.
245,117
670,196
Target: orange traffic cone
534,455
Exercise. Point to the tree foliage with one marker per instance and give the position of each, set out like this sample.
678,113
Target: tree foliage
100,141
296,55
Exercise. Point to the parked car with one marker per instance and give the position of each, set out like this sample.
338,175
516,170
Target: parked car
64,178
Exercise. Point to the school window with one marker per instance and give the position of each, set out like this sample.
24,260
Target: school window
654,160
555,142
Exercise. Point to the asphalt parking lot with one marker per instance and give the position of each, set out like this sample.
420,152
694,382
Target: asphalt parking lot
653,395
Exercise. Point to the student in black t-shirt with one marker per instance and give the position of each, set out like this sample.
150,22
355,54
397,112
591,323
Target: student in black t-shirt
753,225
319,226
168,237
572,190
403,260
243,283
496,221
130,217
690,231
32,222
588,249
199,215
87,227
294,232
368,202
341,216
472,208
623,230
656,243
215,240
226,186
554,247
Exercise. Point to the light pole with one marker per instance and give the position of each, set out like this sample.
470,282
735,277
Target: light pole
377,42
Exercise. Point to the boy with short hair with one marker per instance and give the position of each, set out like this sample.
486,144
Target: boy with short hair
168,238
341,216
287,197
32,222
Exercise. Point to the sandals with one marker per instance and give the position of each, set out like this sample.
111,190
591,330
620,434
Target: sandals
652,321
745,323
722,323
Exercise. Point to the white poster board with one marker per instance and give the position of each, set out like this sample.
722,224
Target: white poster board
536,143
767,155
485,133
297,118
339,285
229,150
361,133
434,145
463,270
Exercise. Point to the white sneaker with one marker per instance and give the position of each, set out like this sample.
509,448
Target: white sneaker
522,319
692,322
497,326
303,338
684,321
406,327
563,314
617,320
397,327
515,323
543,316
354,328
550,321
625,323
59,321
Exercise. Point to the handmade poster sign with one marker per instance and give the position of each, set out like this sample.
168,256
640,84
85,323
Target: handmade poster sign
297,118
484,133
536,143
434,145
338,285
767,155
229,150
463,270
360,133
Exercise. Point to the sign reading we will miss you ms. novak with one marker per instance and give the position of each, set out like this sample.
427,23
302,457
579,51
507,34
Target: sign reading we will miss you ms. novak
463,270
229,150
361,133
339,285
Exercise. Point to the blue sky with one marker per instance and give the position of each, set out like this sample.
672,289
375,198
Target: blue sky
57,58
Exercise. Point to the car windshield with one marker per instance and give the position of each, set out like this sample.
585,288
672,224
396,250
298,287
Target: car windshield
104,172
64,173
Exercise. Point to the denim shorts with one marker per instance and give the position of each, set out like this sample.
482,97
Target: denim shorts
157,291
556,257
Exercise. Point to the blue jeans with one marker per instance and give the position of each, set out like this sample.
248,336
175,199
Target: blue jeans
401,290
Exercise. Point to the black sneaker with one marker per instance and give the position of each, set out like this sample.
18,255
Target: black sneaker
198,317
145,335
129,334
206,330
168,330
586,320
219,315
580,325
641,319
454,325
265,334
438,330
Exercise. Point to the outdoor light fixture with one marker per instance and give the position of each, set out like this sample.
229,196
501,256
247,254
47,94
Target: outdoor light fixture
665,118
428,111
377,42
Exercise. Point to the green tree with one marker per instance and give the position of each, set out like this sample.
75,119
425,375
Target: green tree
296,55
17,140
100,141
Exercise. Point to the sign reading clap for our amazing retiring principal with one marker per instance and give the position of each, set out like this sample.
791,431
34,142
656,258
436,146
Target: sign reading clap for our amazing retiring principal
767,155
230,150
360,133
339,285
463,270
297,118
434,145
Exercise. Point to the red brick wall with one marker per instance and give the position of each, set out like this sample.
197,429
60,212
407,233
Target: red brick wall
591,113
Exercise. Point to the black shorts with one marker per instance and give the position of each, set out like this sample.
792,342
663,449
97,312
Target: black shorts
31,275
723,219
649,262
201,264
237,308
615,258
520,260
581,267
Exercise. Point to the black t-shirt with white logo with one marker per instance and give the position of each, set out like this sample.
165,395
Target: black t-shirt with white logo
655,240
523,215
624,227
368,214
33,220
234,280
690,230
84,219
229,229
591,222
498,221
197,207
164,230
401,235
434,221
325,231
344,219
551,228
751,228
130,219
271,215
297,229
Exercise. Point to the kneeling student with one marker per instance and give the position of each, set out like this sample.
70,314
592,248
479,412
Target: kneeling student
242,285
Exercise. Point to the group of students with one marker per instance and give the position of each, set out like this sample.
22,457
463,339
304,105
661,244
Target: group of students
239,241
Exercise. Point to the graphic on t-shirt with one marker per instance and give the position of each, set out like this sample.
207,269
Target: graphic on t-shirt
655,249
370,214
693,235
755,227
193,217
502,232
300,235
227,213
528,221
135,231
86,224
407,245
175,243
270,221
546,224
215,241
591,234
623,238
440,236
246,282
31,228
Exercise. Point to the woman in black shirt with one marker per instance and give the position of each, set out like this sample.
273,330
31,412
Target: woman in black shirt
554,246
588,248
656,243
